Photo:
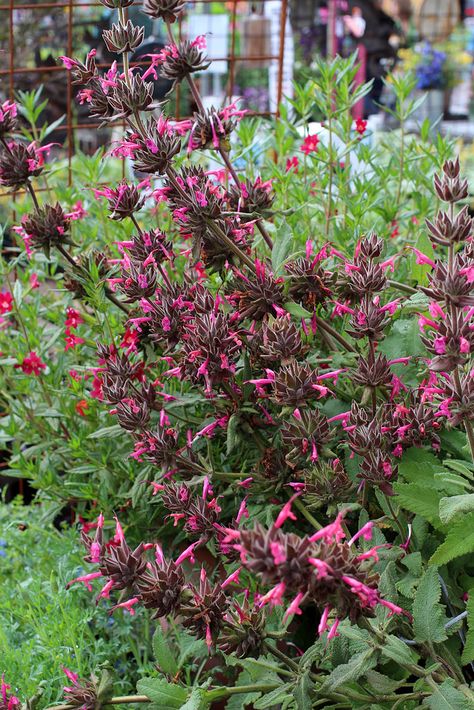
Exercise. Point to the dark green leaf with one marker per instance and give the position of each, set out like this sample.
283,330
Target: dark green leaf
357,666
468,653
459,541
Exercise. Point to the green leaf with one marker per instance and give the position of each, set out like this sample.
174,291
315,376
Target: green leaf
428,614
164,656
397,651
196,701
446,697
419,499
452,506
166,696
281,248
459,541
382,683
303,692
357,666
275,697
296,310
468,653
232,433
108,431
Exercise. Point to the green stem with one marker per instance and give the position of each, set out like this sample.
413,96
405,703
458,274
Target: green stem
309,517
337,336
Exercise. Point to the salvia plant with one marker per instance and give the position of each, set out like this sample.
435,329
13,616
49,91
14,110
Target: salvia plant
298,413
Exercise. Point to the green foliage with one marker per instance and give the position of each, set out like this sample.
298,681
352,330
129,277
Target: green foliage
428,614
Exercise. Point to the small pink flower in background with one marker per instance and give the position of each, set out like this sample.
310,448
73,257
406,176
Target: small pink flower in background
292,164
9,702
32,364
6,302
34,283
310,144
81,407
72,340
73,318
361,126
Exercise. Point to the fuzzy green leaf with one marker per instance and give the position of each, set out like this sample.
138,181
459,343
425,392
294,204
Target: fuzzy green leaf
420,500
468,653
397,651
163,654
196,701
303,692
428,614
357,666
166,696
446,697
459,541
296,310
275,697
453,506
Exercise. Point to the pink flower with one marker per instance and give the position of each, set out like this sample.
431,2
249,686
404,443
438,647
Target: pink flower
285,513
6,302
361,126
310,144
294,607
292,164
32,364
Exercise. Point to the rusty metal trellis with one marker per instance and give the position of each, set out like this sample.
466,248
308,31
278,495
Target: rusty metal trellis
18,72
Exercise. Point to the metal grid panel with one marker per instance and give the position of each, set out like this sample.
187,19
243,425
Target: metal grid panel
27,27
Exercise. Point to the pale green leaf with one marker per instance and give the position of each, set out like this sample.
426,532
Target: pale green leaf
296,310
196,701
453,506
420,500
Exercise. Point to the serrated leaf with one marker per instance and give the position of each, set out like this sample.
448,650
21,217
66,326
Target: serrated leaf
196,701
275,697
397,651
382,683
166,696
446,697
459,541
164,656
357,666
428,614
302,692
420,500
468,653
452,506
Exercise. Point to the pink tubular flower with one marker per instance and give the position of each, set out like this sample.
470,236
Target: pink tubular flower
188,553
331,532
365,532
294,607
422,258
85,579
323,623
8,701
274,597
232,578
285,513
127,605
